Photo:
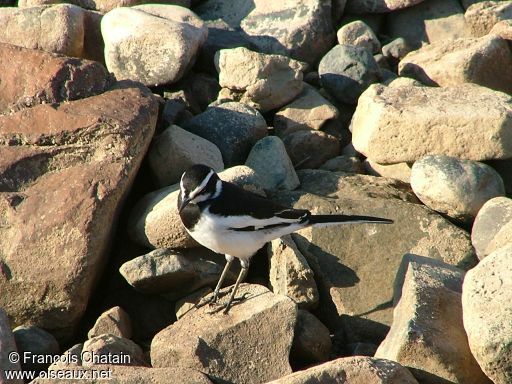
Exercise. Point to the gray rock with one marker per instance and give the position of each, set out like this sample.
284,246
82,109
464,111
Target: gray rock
53,28
7,346
345,258
396,49
427,335
359,34
486,308
290,274
357,369
218,344
310,110
154,44
427,22
310,149
346,71
70,359
32,340
301,29
175,150
455,187
343,164
233,127
174,273
155,223
100,348
114,321
271,163
492,228
263,81
311,340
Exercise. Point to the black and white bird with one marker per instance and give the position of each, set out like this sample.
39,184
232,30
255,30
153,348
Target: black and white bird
232,221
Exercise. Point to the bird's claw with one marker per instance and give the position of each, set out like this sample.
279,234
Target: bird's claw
226,307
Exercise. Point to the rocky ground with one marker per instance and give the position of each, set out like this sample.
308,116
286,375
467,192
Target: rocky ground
393,108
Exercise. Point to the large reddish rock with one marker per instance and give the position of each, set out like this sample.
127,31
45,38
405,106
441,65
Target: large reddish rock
64,170
30,77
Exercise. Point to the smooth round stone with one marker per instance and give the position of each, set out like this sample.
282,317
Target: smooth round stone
455,187
358,33
346,71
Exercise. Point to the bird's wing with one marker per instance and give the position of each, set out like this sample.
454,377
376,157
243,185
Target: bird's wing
238,208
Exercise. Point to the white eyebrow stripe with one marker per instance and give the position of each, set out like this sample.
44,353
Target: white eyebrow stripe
202,185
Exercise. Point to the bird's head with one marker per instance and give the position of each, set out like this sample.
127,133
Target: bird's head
198,183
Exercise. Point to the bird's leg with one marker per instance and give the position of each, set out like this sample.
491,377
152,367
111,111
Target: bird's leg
241,277
215,295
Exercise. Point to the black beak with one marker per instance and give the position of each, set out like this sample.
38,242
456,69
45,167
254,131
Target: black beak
183,204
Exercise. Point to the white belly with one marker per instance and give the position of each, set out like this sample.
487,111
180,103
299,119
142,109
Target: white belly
212,233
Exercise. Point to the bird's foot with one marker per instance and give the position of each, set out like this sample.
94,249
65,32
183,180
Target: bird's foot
212,298
226,307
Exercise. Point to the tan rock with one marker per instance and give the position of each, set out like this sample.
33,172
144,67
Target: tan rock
266,81
399,171
343,164
290,274
503,29
57,28
358,33
103,6
154,44
353,297
470,60
250,344
30,77
188,303
310,149
114,321
492,228
64,170
352,370
310,110
482,16
486,304
427,335
393,125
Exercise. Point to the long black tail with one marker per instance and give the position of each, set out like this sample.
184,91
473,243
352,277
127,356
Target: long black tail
346,219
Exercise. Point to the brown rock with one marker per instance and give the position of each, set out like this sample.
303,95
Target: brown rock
100,5
482,16
250,344
56,28
399,171
446,63
486,308
94,46
427,335
123,374
31,77
115,321
64,170
502,29
311,340
290,274
103,347
352,370
394,125
310,149
310,110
